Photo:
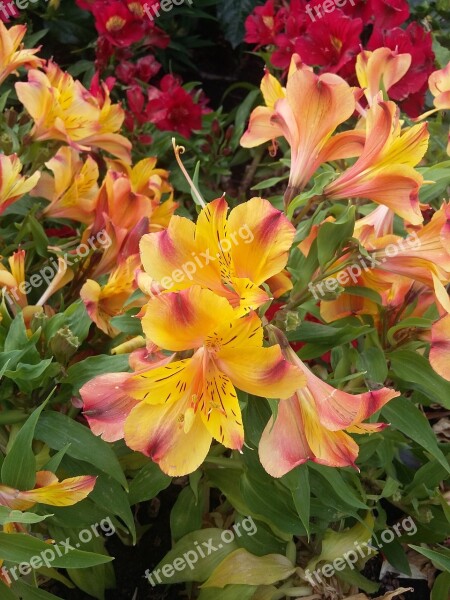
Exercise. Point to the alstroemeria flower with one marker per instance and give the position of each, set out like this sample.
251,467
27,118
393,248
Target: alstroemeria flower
184,404
12,184
107,301
73,189
380,70
149,180
13,278
230,255
385,170
314,423
48,490
307,113
10,57
440,347
64,110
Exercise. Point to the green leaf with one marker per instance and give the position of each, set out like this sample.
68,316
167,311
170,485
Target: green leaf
85,370
58,430
408,419
16,516
241,567
298,482
19,466
373,361
331,236
6,593
27,592
267,183
415,369
440,558
320,181
20,547
441,587
190,549
148,483
243,592
186,514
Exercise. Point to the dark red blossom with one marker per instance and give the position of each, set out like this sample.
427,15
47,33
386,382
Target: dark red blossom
147,67
411,89
330,42
386,14
172,108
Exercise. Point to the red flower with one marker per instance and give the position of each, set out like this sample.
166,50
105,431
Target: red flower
126,71
171,108
263,25
410,90
386,14
136,101
330,42
295,25
147,67
97,87
117,23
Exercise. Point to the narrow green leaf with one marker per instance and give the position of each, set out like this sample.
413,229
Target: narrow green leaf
408,419
19,466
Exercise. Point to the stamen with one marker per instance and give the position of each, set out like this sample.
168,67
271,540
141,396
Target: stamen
180,150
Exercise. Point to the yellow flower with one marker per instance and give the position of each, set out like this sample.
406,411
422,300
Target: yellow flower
73,189
48,490
172,412
12,184
10,57
64,110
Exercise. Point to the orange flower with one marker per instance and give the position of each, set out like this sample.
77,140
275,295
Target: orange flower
380,70
12,184
185,403
385,170
64,110
48,490
307,113
72,191
10,57
314,423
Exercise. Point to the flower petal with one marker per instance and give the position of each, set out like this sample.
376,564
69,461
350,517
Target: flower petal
183,320
266,237
158,432
107,405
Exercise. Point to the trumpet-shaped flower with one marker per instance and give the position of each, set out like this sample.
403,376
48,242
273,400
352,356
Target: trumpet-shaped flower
232,256
11,58
380,70
104,302
385,170
73,189
172,412
48,490
64,110
313,424
307,113
12,184
12,280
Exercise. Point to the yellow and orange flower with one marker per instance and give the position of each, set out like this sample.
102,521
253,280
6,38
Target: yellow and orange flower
172,412
148,180
230,255
11,58
385,170
307,114
380,70
73,189
107,301
12,184
64,110
48,490
313,424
